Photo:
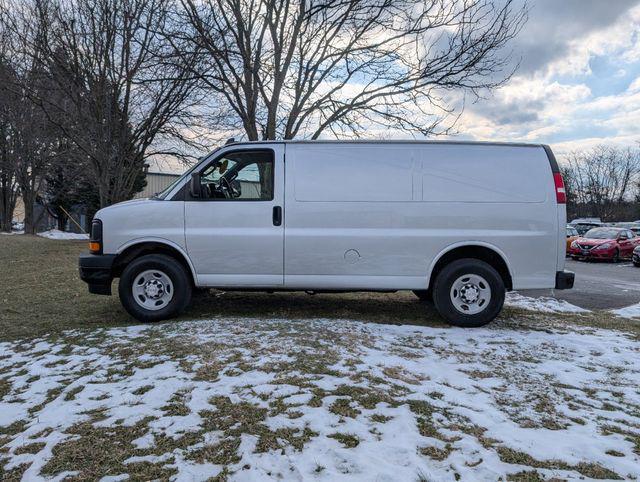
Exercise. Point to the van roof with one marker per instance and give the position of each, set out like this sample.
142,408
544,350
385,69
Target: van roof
389,141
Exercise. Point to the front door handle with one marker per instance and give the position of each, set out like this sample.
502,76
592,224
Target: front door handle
277,215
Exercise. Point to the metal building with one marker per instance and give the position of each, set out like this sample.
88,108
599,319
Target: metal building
156,182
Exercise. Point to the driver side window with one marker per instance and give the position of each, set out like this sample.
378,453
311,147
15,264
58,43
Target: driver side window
239,176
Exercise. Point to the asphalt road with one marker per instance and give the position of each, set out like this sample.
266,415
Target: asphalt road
599,285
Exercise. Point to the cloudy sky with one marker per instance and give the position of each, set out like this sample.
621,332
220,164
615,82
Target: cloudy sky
578,83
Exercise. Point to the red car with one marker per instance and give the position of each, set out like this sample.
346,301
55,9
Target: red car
605,243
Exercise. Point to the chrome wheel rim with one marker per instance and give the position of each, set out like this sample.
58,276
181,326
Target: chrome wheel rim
152,289
470,294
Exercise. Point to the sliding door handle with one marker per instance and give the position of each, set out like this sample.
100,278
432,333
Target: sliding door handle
277,215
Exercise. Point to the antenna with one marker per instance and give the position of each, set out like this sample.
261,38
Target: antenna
231,140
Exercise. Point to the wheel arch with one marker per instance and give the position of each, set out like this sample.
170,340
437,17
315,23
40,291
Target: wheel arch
473,249
140,247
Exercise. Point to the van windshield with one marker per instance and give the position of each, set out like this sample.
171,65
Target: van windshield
162,194
165,192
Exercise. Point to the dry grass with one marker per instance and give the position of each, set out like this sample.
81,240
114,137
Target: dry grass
436,453
115,447
591,470
42,293
348,440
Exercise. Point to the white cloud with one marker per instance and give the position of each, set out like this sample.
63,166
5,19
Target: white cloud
563,148
635,85
525,109
555,101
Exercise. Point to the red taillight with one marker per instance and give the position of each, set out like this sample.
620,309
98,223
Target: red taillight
561,194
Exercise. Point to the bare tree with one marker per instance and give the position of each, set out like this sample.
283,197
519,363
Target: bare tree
288,68
25,146
115,87
601,181
9,188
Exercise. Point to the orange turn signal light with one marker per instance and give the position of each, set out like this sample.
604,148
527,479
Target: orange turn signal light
94,246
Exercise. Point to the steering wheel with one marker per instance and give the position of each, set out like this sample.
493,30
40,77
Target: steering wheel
228,189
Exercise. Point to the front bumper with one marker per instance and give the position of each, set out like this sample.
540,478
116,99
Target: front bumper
97,271
564,280
592,253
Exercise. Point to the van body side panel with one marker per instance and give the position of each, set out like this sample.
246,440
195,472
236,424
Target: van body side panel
376,217
142,220
335,237
562,236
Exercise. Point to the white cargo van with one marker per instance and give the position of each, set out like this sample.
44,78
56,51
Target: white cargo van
457,223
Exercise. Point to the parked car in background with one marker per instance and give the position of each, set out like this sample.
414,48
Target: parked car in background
572,235
458,223
636,257
607,243
585,224
634,226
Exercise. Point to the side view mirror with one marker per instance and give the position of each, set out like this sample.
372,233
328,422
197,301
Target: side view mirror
195,187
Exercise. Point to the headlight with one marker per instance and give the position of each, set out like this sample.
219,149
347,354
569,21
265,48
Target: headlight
574,244
95,242
603,246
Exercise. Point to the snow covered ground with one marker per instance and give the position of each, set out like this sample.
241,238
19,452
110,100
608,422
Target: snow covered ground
54,234
632,311
321,399
57,234
542,304
545,304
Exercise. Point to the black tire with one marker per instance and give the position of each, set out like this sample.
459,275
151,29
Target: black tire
424,295
637,265
448,276
616,257
174,270
200,292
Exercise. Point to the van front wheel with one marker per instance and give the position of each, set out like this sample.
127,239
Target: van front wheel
468,293
424,295
154,287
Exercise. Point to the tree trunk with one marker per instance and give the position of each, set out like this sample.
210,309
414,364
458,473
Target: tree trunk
7,207
6,216
8,198
61,221
29,219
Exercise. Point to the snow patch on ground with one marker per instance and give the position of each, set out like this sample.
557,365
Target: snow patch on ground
57,234
324,399
632,311
542,304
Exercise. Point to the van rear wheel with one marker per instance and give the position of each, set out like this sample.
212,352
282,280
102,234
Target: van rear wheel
154,287
468,293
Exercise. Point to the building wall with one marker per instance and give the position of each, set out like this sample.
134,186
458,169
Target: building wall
18,213
44,221
156,182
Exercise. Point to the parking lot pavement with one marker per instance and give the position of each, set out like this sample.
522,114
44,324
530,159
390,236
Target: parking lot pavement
599,285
